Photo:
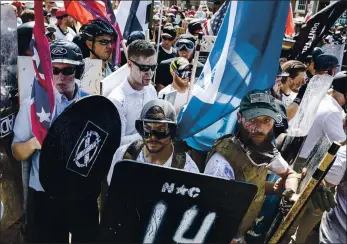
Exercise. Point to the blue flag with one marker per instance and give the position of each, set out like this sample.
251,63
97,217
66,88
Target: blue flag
244,57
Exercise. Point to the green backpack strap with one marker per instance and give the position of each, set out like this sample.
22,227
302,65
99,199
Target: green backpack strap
133,151
179,155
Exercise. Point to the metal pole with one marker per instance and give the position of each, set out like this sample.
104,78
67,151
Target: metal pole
158,40
195,64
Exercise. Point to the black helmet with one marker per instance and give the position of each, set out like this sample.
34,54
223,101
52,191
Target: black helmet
194,26
63,51
96,28
316,52
325,62
24,36
157,111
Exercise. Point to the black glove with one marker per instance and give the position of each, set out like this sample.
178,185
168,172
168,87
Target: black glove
323,199
286,204
301,94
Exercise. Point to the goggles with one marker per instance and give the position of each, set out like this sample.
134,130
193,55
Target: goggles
64,71
145,68
184,44
184,74
104,42
146,129
167,38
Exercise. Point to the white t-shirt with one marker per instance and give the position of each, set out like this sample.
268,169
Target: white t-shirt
59,35
338,169
328,121
181,98
129,103
218,166
190,165
288,99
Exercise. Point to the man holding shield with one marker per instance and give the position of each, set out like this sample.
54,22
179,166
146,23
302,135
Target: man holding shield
48,219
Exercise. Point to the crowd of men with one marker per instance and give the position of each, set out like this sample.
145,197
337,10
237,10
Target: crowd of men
149,122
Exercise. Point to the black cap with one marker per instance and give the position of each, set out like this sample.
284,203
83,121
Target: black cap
258,103
169,31
66,52
340,82
325,62
135,35
187,37
194,25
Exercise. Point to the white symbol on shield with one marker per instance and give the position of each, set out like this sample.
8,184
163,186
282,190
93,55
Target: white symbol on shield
90,145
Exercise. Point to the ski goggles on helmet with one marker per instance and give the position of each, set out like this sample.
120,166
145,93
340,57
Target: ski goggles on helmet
64,71
184,74
184,44
145,68
104,42
147,129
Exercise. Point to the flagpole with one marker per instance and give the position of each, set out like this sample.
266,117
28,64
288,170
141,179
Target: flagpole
195,64
159,30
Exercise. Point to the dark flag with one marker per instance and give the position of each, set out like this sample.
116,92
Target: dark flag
317,26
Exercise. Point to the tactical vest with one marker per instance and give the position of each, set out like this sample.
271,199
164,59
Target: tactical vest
246,170
178,158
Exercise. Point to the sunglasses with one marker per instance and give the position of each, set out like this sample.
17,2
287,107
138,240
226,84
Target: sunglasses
167,38
104,42
184,74
64,71
186,44
145,68
147,133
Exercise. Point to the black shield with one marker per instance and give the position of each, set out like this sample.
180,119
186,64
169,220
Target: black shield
148,203
78,149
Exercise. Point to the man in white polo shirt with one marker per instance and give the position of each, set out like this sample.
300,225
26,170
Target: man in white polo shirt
136,89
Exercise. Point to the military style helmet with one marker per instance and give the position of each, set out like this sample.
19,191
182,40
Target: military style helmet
96,28
325,62
63,51
158,111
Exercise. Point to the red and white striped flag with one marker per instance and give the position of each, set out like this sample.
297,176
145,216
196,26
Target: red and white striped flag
42,95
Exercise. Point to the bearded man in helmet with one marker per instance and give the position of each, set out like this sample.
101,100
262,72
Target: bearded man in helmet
157,126
49,220
99,37
250,153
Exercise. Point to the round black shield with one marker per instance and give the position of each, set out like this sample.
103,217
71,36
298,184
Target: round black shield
78,149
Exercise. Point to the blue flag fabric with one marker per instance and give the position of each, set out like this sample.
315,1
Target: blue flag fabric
244,58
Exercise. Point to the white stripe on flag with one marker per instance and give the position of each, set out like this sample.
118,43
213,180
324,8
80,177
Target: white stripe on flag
210,91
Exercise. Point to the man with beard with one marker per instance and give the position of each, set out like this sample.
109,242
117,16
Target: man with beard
99,38
250,153
157,126
181,71
185,46
136,89
63,30
291,85
48,220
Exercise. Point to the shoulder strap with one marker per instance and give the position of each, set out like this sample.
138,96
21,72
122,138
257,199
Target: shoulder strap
179,156
133,150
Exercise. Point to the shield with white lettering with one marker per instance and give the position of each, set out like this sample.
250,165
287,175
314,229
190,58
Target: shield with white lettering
11,191
153,204
78,149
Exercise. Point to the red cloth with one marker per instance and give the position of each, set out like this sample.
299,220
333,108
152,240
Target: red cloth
290,23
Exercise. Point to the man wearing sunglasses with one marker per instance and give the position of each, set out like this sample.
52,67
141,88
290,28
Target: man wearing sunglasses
185,46
157,126
181,71
63,30
43,225
99,37
136,89
166,50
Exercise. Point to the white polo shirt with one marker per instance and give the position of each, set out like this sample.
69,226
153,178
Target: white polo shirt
288,99
129,103
181,98
190,165
328,121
